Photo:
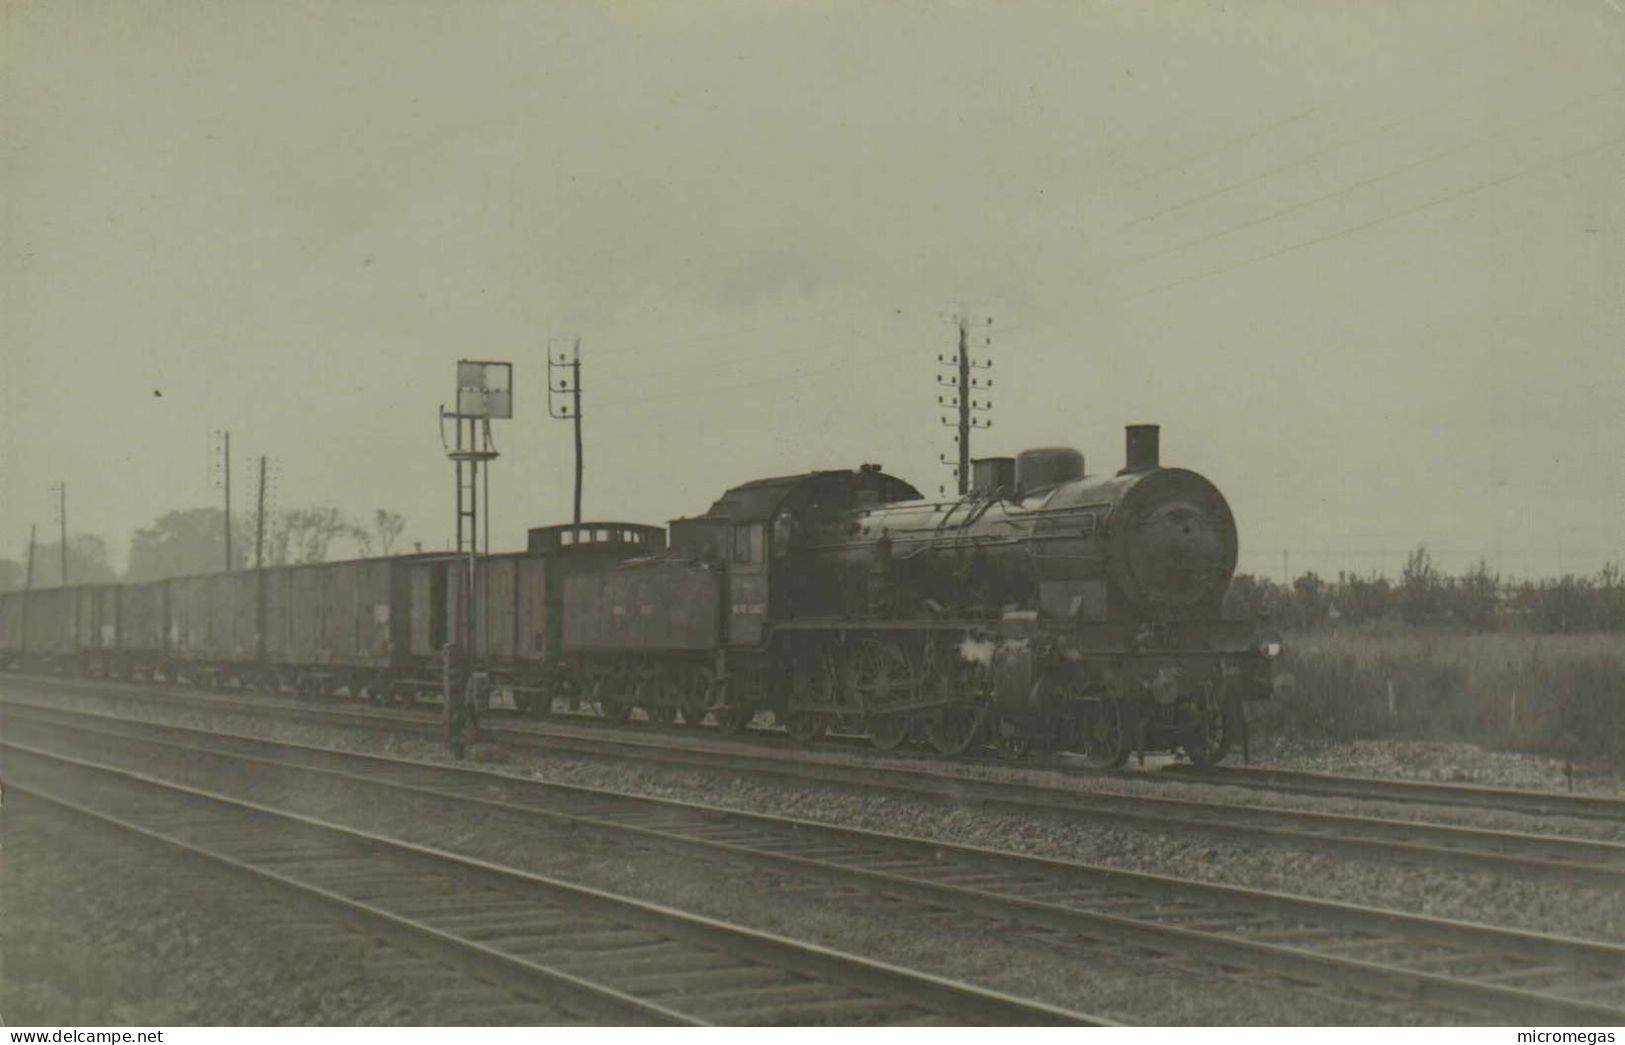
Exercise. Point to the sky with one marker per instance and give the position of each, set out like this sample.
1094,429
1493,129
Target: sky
1364,262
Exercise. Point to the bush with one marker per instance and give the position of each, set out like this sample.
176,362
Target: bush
1562,695
1477,601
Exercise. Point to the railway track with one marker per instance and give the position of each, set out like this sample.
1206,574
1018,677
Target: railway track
1547,857
371,972
1533,803
1461,967
586,949
1327,785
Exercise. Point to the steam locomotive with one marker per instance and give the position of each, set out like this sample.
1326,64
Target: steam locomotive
1046,608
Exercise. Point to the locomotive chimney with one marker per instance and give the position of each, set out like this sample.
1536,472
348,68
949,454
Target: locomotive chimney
1140,448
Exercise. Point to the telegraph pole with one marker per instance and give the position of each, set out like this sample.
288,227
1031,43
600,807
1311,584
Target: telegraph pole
226,466
259,521
964,412
568,386
28,585
965,386
61,491
259,565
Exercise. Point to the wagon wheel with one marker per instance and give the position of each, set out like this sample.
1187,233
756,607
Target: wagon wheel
660,695
606,695
954,729
812,686
734,718
1012,740
1105,742
695,698
736,715
886,732
540,699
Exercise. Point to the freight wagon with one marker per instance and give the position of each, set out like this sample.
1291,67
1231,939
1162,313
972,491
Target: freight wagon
368,627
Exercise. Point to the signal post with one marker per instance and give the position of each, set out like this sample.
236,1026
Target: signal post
484,394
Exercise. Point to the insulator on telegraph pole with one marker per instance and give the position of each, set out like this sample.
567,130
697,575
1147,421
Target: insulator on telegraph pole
973,336
59,508
564,399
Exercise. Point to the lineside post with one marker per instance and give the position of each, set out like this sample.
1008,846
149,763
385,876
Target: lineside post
28,586
965,385
484,393
568,387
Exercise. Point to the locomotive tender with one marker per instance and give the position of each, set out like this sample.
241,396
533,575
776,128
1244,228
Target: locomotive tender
1046,608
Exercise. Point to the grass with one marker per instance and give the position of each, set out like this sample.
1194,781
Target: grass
1560,695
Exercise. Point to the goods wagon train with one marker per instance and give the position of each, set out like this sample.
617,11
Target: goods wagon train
368,627
1047,608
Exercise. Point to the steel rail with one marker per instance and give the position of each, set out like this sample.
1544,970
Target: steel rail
864,990
1305,782
1222,923
542,984
1475,796
1545,857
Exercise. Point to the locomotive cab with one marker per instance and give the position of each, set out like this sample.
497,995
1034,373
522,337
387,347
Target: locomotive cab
763,532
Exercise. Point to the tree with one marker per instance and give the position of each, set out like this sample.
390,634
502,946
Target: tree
12,575
1419,588
388,526
303,535
1475,597
87,562
185,542
1310,600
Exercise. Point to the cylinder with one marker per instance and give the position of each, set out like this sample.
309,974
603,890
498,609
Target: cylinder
1141,448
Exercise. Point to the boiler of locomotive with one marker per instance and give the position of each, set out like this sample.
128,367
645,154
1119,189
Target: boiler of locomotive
1038,535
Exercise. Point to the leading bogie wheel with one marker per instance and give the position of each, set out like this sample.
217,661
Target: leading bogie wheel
953,730
1012,740
1215,731
1105,745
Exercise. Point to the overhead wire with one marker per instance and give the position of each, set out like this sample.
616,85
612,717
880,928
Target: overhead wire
1300,114
1383,219
1326,150
1422,161
771,379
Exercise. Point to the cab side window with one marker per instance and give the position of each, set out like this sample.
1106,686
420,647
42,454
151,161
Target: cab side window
749,543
